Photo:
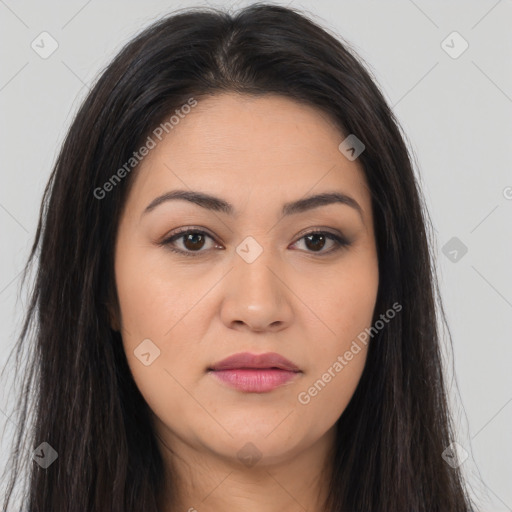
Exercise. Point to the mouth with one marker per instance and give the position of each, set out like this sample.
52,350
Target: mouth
255,373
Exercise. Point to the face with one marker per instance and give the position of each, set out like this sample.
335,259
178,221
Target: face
257,270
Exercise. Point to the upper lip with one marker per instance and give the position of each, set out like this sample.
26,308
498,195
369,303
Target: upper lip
248,360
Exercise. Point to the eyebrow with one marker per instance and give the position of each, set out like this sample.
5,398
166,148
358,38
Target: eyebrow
217,204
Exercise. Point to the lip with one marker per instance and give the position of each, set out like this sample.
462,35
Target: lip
255,373
255,361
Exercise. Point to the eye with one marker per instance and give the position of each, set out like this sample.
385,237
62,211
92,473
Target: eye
315,241
191,241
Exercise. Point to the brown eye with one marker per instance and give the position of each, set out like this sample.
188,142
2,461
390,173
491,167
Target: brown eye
193,241
315,242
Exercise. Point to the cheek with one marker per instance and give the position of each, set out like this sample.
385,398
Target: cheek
149,309
153,295
344,300
143,303
159,306
327,395
338,360
339,356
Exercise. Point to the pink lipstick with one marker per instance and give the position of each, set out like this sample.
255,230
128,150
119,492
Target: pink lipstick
255,373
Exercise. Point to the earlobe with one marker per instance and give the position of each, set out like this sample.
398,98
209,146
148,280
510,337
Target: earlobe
113,318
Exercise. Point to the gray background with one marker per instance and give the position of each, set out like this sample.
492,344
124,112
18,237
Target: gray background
456,113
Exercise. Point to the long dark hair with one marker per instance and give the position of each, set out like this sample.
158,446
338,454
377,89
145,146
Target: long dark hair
86,406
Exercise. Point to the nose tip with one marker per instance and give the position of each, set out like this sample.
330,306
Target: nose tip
256,297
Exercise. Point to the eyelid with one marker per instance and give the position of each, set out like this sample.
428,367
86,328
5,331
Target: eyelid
187,229
321,230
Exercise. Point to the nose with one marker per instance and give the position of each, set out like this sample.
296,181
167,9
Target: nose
256,296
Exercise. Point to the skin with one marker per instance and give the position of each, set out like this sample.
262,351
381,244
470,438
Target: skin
299,299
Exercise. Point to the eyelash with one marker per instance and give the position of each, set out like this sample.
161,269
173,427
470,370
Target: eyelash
340,241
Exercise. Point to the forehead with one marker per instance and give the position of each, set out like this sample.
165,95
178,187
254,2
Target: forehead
239,145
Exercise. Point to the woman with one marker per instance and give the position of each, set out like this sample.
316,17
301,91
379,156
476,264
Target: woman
235,299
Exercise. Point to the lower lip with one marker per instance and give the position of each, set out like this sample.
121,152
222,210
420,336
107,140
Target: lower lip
253,380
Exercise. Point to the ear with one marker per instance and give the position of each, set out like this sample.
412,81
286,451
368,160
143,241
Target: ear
111,305
113,317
